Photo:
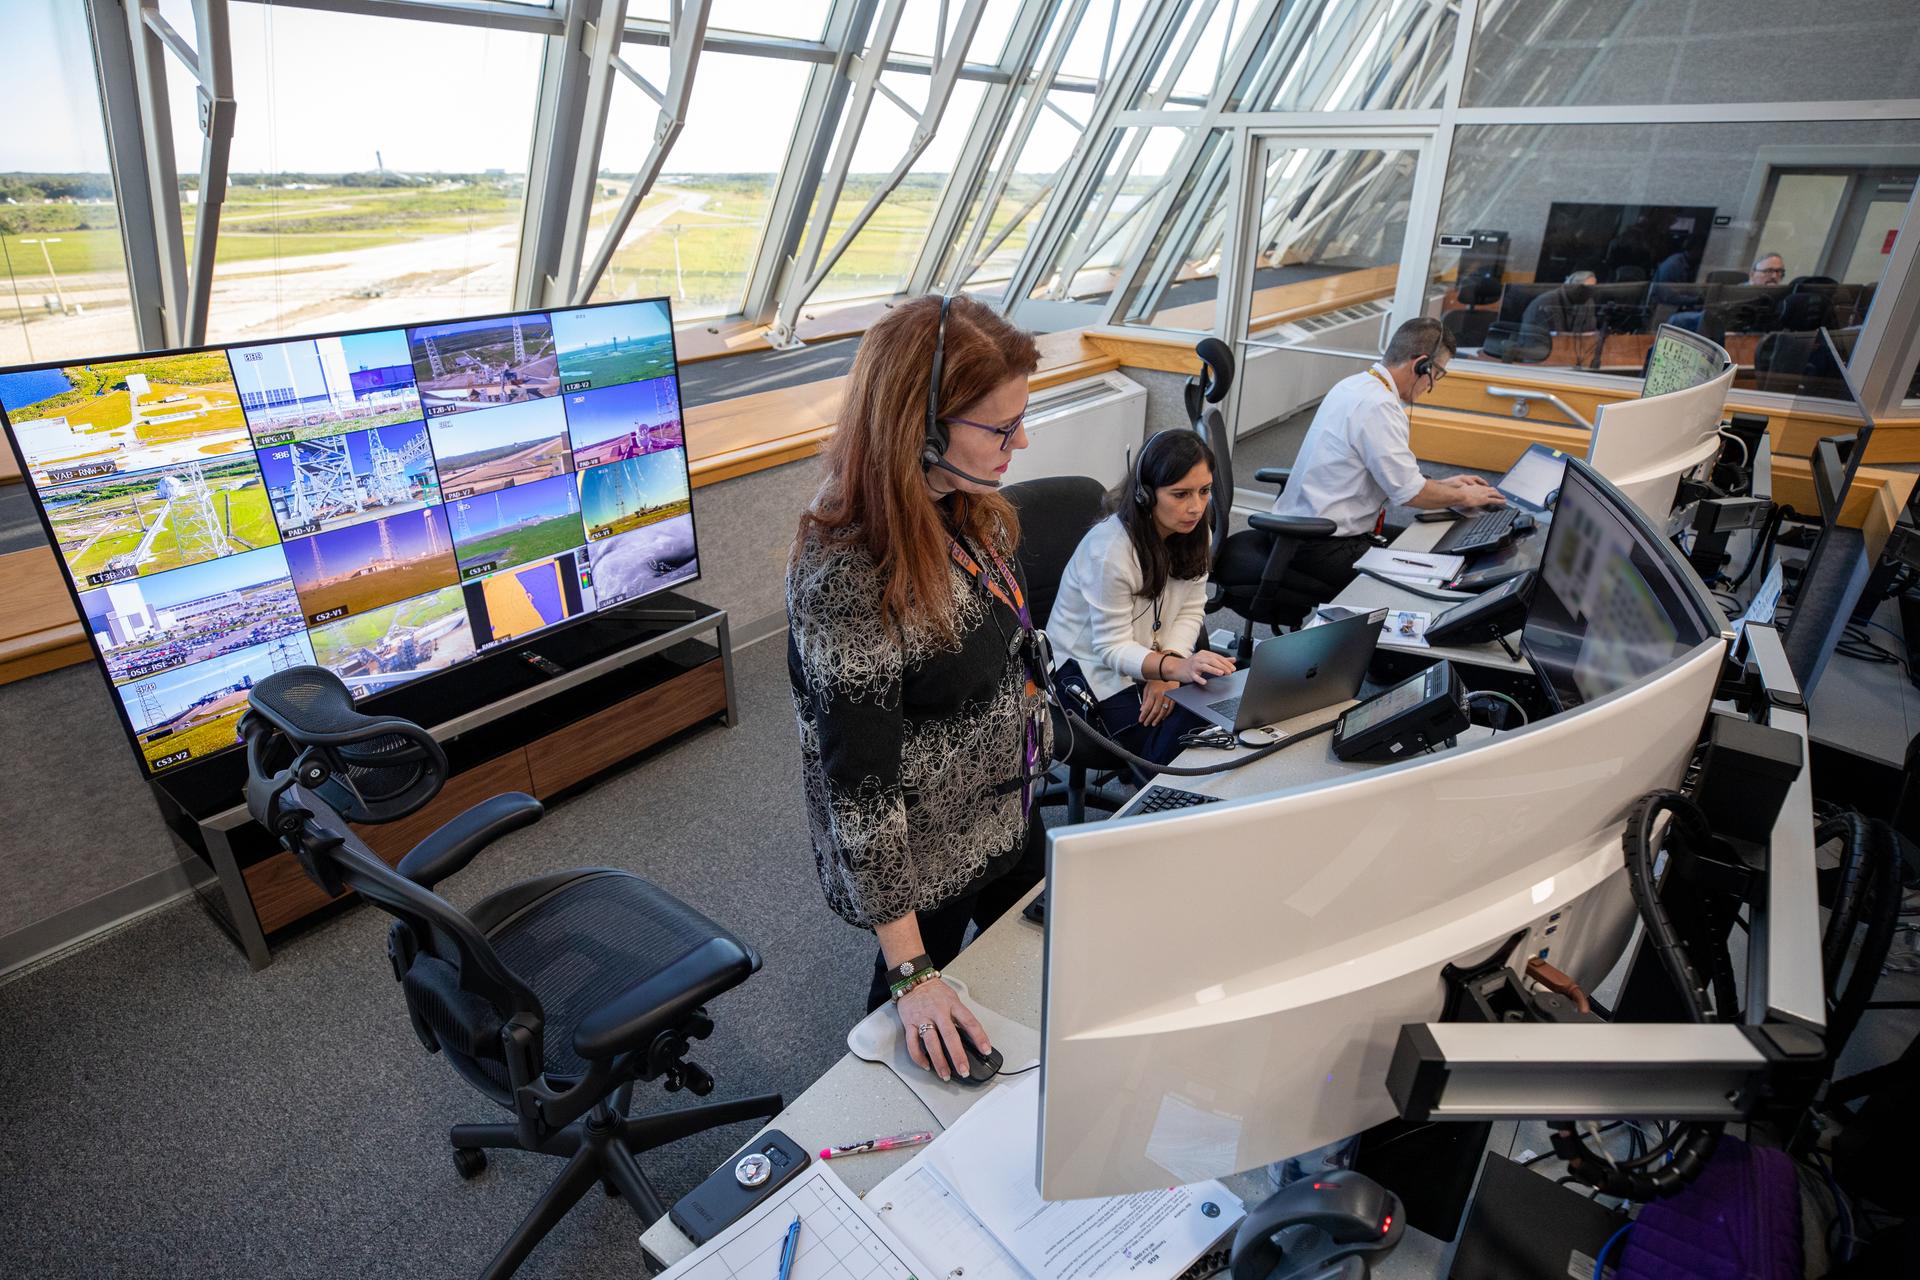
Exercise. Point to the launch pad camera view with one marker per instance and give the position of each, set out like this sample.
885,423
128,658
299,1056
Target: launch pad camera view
385,504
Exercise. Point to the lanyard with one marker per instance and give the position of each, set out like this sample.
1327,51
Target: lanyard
1009,595
1384,381
1005,587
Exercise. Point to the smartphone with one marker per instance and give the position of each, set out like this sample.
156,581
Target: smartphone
747,1177
1435,517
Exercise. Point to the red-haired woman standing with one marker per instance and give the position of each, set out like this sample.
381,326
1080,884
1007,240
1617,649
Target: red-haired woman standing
910,650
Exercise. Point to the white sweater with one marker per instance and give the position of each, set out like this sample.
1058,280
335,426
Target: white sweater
1099,621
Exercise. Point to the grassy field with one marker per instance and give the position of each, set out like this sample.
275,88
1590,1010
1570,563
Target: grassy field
640,520
100,526
369,591
608,366
519,546
201,740
334,641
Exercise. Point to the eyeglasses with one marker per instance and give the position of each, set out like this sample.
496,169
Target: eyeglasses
1005,433
1770,271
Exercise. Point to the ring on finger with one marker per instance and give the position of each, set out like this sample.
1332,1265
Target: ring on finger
925,1028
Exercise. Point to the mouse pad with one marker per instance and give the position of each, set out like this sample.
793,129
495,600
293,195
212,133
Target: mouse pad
879,1037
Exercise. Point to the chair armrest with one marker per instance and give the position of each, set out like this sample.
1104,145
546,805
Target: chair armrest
454,845
632,1018
1274,475
1291,526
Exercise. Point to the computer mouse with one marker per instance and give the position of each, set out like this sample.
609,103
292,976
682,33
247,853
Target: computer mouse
1524,523
980,1067
1351,1213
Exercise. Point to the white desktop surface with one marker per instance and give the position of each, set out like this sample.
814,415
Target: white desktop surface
857,1099
1371,593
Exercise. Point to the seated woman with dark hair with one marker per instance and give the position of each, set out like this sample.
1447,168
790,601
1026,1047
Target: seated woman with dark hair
1126,625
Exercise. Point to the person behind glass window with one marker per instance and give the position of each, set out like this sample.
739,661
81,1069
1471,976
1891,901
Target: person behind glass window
1757,316
912,658
1126,623
1357,456
1567,308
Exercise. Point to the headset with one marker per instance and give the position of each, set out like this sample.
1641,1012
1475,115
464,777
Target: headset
1142,495
1423,367
933,452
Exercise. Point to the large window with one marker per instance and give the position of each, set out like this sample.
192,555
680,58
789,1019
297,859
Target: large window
694,235
392,196
1547,53
1579,239
63,276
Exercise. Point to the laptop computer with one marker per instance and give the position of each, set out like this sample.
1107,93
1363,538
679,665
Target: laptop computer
1530,487
1290,675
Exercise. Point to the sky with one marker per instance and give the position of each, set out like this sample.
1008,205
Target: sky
480,515
197,582
596,326
433,97
593,416
495,426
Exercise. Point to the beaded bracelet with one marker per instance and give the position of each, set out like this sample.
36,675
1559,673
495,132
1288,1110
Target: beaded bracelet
907,984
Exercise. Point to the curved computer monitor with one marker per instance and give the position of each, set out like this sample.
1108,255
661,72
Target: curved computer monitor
1644,446
1224,986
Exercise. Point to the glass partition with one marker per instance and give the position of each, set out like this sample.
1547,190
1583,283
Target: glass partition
1570,244
63,274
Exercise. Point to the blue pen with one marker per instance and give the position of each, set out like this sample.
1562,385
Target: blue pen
791,1247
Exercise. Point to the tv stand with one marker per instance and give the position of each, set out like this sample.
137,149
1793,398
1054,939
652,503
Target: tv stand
545,720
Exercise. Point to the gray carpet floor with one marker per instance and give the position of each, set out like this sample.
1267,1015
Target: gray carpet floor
169,1113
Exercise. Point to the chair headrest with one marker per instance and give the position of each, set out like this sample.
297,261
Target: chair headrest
379,769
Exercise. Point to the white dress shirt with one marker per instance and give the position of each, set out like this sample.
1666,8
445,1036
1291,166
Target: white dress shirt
1101,623
1356,458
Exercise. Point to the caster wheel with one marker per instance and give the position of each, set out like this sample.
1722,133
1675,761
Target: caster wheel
613,1192
469,1161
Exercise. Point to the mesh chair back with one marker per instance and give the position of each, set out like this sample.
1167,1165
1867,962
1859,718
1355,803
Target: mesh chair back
1212,427
1055,514
382,769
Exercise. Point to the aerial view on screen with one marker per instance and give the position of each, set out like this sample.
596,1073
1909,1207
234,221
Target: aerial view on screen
632,564
148,625
624,421
602,346
388,646
326,481
130,524
82,421
363,566
507,527
515,601
508,445
325,386
638,491
195,710
478,364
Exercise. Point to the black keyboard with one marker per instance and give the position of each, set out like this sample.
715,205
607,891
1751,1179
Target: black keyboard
1167,799
1152,800
1480,533
1226,709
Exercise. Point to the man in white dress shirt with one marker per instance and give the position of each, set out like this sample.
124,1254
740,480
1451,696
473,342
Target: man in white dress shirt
1357,458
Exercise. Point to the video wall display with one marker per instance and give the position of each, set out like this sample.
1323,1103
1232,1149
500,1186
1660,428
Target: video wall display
386,504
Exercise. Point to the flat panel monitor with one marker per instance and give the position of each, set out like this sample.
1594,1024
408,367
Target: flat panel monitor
1681,359
388,503
1624,242
1610,605
1835,572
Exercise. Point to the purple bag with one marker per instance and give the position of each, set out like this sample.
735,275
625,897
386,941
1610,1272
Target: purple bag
1739,1220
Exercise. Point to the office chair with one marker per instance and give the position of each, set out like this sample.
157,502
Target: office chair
551,997
1516,343
1055,514
1726,277
1252,573
1469,327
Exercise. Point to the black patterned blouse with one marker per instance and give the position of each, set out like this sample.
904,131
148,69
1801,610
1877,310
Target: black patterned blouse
912,751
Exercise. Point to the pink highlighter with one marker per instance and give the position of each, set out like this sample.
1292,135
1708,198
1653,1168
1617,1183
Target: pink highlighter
875,1144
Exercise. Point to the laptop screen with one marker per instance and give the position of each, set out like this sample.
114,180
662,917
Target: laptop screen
1535,478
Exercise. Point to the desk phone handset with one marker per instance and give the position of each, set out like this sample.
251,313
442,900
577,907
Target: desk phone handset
1486,618
1407,719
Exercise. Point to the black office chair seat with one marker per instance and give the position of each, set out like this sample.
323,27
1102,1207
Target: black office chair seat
584,939
1243,559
